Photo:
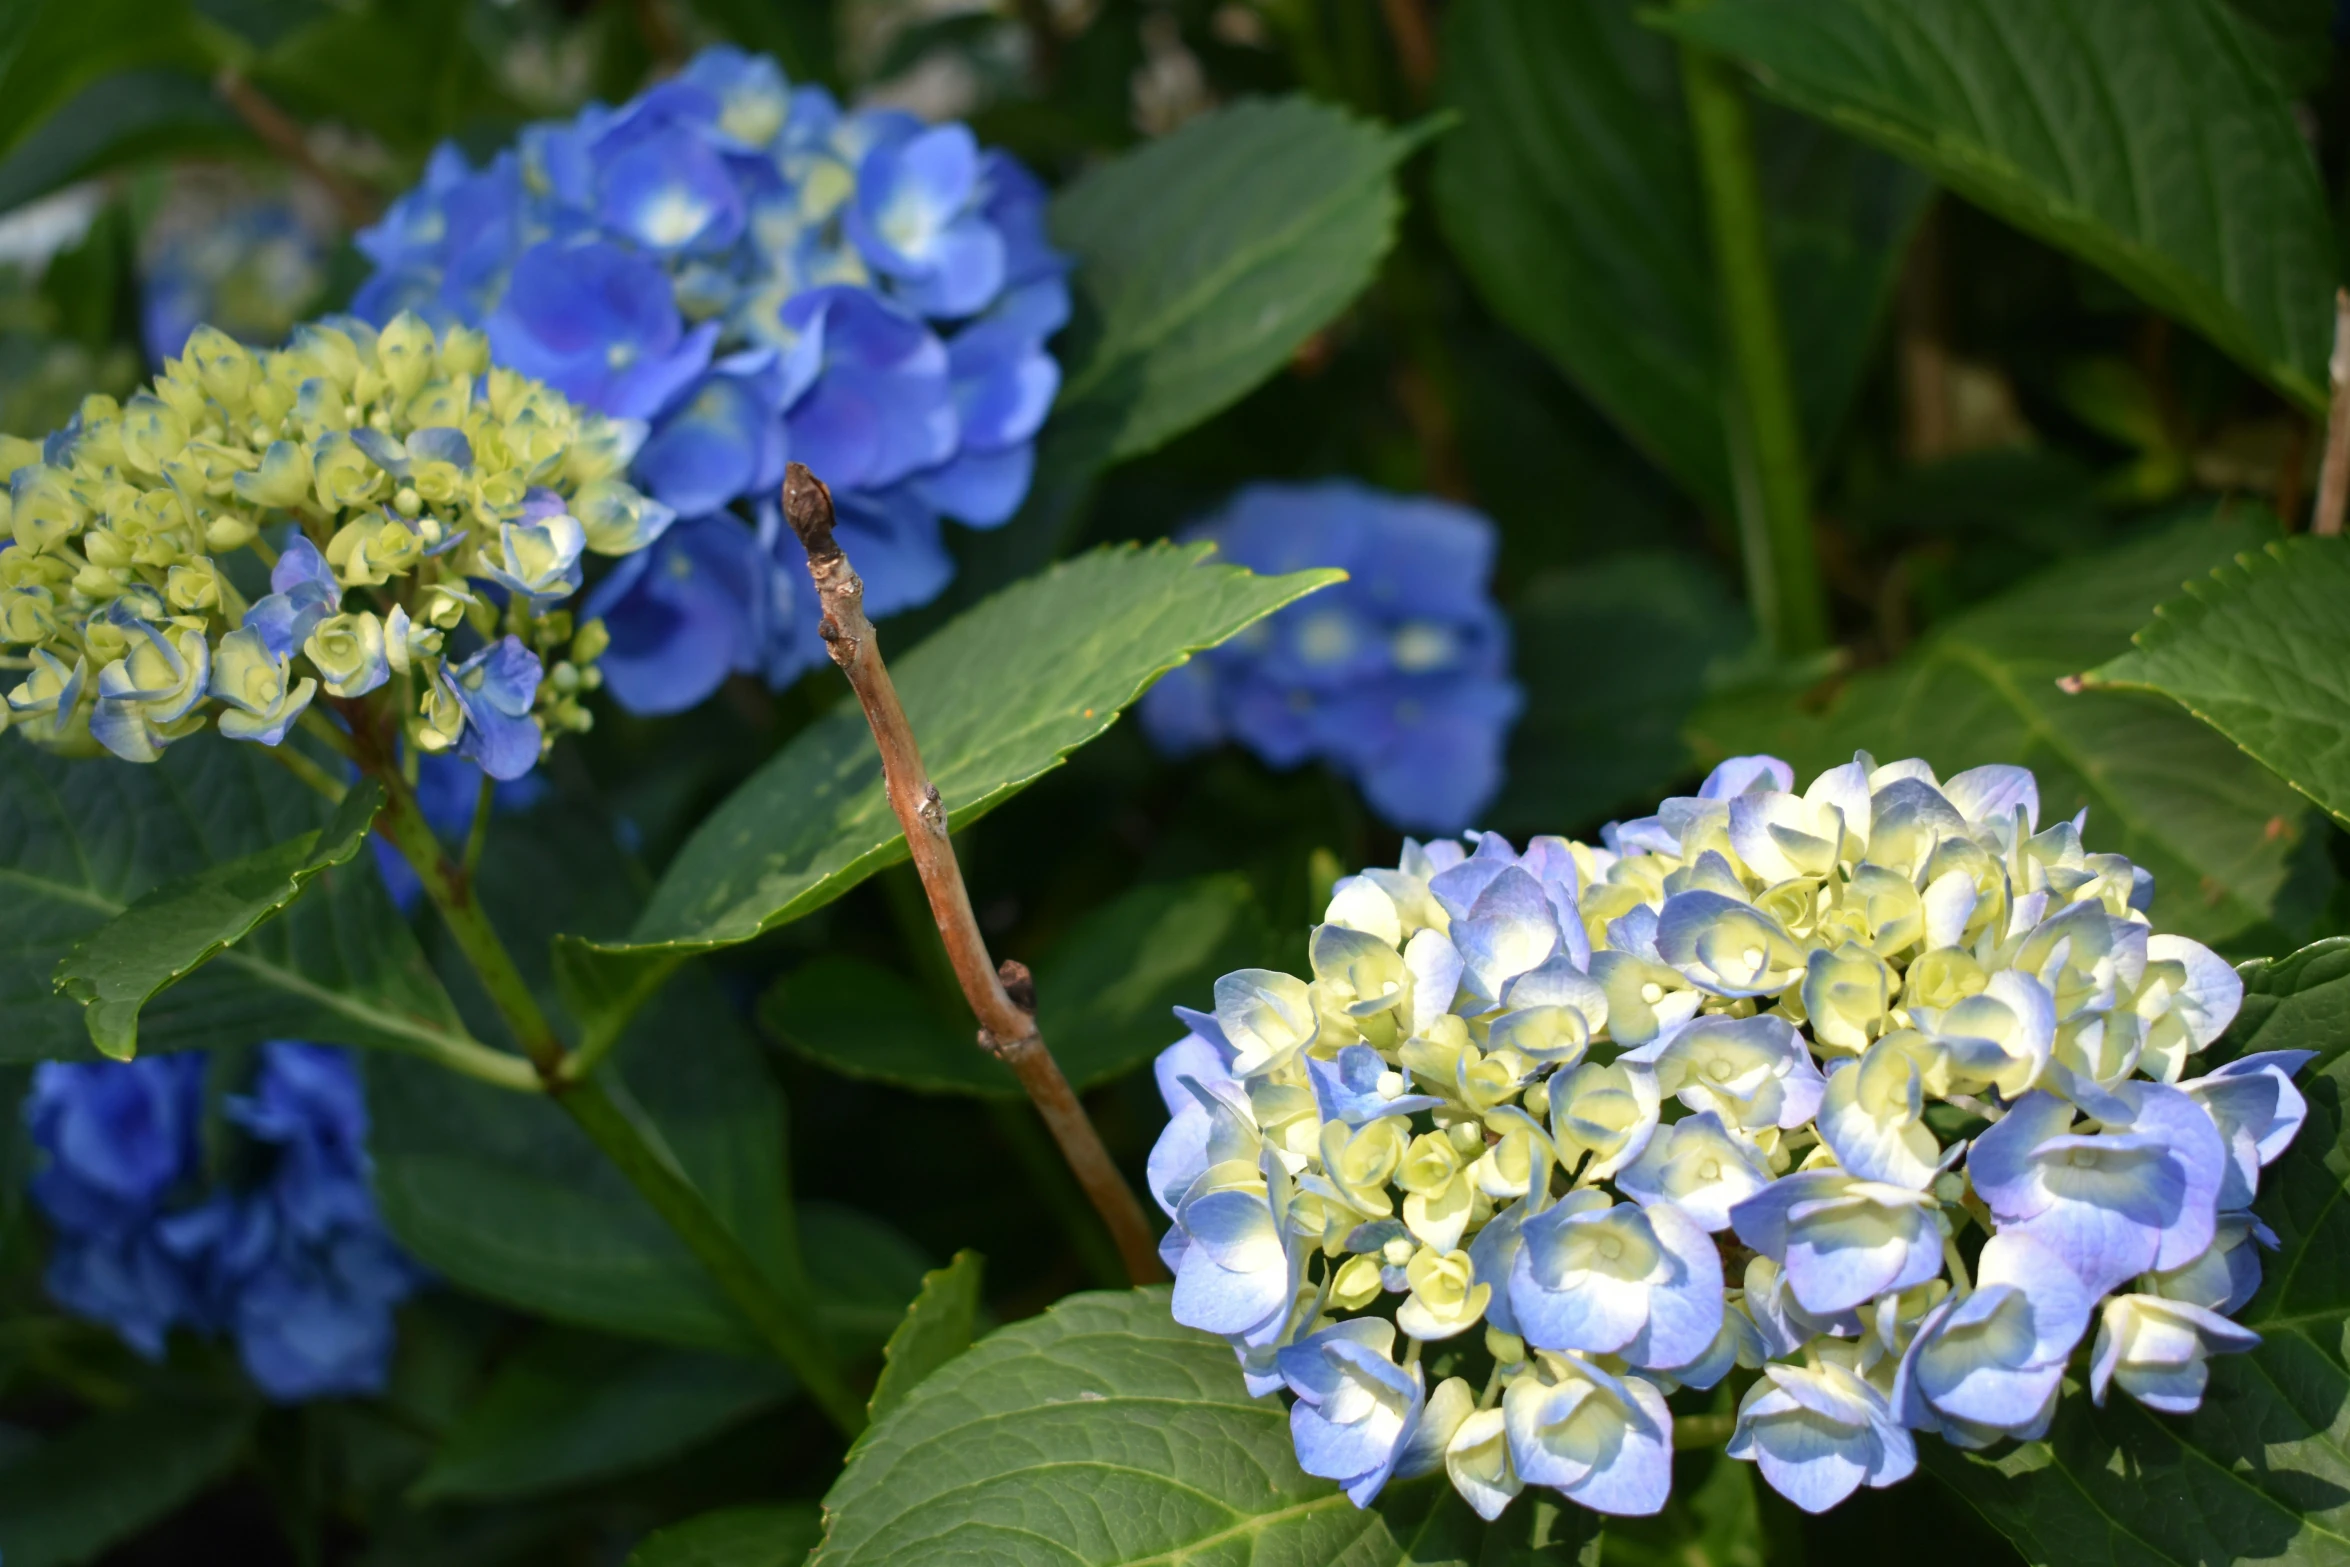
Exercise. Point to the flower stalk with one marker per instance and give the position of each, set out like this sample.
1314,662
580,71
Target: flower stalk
1003,1000
1767,465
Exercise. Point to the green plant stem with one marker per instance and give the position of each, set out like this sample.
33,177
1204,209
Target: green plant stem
310,773
785,1323
402,824
477,836
1702,1430
1765,436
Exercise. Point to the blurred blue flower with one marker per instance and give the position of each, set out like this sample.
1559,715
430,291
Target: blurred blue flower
761,275
249,270
1398,677
291,1260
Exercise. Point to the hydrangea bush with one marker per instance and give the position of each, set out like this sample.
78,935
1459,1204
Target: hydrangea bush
1800,1135
421,519
764,277
1744,1085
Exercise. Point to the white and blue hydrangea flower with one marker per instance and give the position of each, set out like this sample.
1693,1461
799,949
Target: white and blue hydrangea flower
2258,1111
1267,1017
256,684
1603,1114
1601,1440
1843,1241
2226,1274
1240,1268
539,551
1357,1410
1989,1364
1752,1072
147,698
1820,1432
1698,1165
1616,1279
2137,1193
2158,1350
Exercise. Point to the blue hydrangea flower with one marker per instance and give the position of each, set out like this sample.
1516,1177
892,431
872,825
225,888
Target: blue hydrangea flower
294,1265
495,689
761,276
1398,677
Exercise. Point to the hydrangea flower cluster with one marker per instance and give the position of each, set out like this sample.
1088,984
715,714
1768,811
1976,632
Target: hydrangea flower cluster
1398,677
431,516
1734,1089
764,277
285,1252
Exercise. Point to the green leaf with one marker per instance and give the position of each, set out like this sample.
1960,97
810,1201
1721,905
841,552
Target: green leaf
1570,193
51,49
1104,995
2145,136
1205,257
1614,658
116,969
2218,832
113,1475
115,121
1102,1433
2261,1472
2260,650
425,75
997,699
939,1326
81,842
734,1537
571,1407
2299,1002
502,1193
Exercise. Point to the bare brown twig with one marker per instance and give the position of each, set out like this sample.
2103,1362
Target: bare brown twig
1003,1000
282,134
2333,479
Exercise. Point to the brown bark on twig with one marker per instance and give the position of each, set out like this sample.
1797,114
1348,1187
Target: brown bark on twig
2333,479
1415,44
283,135
1003,1000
